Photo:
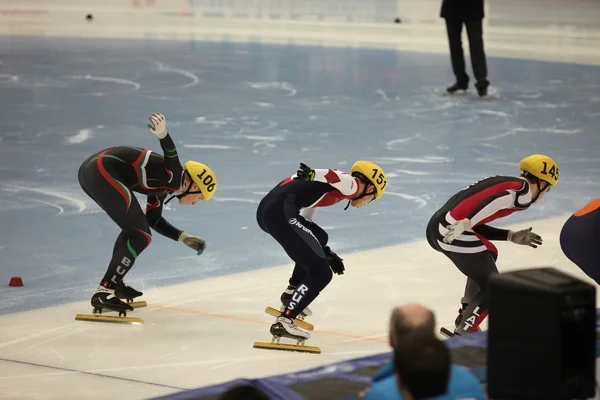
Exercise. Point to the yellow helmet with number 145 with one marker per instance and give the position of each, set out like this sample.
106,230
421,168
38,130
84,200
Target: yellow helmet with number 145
202,176
373,173
540,166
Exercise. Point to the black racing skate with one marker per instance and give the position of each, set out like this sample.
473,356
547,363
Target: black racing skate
285,327
457,86
286,297
105,298
122,291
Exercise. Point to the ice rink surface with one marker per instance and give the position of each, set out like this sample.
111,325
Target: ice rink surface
253,112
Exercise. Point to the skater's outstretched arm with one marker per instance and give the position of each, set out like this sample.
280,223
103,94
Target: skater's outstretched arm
491,233
158,126
156,221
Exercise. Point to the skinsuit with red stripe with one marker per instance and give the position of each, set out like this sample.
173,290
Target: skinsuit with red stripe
110,176
473,252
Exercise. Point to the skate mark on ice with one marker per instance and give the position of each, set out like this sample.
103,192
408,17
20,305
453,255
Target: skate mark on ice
207,146
236,199
288,87
255,321
34,335
421,160
10,299
119,81
12,354
80,204
167,68
76,371
420,202
60,209
383,95
82,136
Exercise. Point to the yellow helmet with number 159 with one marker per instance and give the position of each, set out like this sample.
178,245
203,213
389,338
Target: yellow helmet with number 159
540,166
373,173
202,176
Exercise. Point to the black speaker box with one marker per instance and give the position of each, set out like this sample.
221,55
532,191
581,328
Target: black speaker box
541,336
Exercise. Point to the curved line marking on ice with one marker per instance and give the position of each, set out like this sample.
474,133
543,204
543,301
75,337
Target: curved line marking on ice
421,203
107,79
167,68
79,203
60,209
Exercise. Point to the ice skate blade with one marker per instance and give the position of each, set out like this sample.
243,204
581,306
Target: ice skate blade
135,304
287,347
108,318
299,322
446,332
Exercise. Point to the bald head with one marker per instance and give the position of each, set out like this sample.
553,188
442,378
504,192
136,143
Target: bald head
410,318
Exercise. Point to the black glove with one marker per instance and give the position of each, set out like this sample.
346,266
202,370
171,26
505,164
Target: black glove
305,173
335,262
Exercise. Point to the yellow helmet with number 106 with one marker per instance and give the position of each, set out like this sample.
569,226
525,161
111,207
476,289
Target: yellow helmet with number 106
540,166
373,173
202,176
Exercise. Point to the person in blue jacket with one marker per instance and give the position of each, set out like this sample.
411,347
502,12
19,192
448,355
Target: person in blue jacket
411,319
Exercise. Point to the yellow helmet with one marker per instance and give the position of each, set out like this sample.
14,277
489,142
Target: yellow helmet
540,166
373,173
202,176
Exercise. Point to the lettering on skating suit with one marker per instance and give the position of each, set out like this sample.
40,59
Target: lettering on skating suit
294,221
121,270
298,295
469,322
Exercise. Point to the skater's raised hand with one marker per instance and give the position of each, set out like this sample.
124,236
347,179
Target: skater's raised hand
335,261
158,125
525,237
305,173
193,242
456,229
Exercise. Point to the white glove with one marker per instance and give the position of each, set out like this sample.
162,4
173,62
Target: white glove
525,237
158,125
193,242
457,229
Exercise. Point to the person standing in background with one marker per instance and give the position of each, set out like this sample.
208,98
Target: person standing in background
471,14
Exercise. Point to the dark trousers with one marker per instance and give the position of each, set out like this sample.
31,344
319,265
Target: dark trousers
303,242
478,61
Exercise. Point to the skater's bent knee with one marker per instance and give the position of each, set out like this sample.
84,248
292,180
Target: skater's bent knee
140,239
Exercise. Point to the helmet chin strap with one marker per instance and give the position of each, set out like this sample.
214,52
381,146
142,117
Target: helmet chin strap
185,192
360,196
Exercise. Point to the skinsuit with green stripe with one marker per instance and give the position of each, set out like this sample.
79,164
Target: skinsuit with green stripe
109,177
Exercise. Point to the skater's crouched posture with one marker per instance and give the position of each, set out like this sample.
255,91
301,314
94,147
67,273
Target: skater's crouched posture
111,175
461,232
286,214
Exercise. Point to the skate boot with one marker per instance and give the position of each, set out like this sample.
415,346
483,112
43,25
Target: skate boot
286,297
285,327
457,86
105,298
122,291
482,88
